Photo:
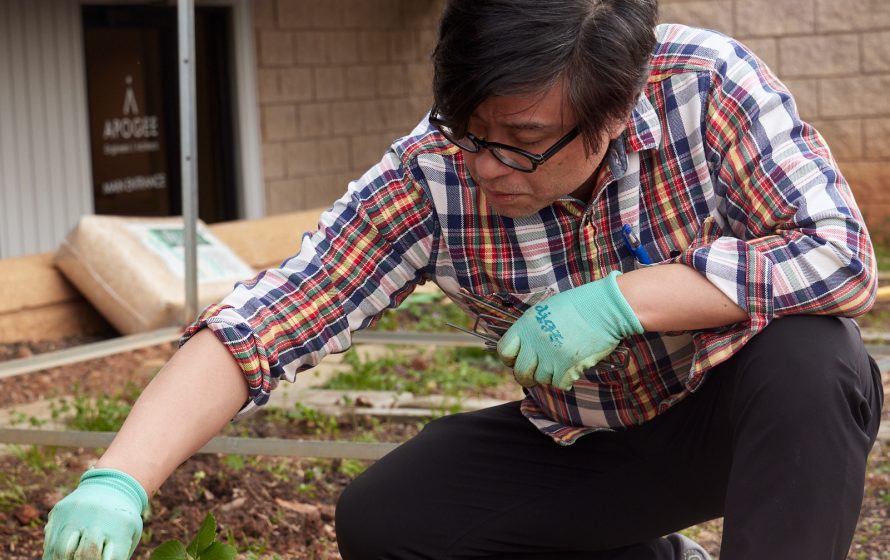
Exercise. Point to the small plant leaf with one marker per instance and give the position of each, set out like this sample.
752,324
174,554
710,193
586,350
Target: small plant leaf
219,551
170,550
204,538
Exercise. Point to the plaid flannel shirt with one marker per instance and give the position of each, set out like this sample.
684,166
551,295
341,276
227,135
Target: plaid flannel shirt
715,170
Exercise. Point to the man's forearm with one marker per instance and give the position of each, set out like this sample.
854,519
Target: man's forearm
675,297
189,401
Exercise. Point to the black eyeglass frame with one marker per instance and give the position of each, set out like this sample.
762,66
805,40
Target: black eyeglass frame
477,144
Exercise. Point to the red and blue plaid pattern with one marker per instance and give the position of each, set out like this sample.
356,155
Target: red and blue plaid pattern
715,170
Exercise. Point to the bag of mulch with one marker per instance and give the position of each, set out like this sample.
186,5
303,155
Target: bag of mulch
132,270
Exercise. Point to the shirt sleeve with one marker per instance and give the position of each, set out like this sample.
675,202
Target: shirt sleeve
792,240
370,250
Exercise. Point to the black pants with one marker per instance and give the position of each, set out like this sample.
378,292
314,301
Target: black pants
775,441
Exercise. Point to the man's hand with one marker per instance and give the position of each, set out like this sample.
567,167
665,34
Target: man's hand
100,520
557,339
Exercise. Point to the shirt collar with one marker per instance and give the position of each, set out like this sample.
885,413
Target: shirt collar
643,132
643,129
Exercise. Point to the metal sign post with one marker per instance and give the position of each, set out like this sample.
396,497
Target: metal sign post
188,122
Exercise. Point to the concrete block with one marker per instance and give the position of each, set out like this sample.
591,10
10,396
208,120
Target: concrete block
423,15
314,120
311,157
323,190
367,149
766,49
273,160
264,15
876,52
348,117
806,96
868,181
419,77
759,18
279,122
707,14
311,47
852,15
268,86
417,106
373,46
361,82
297,84
404,46
372,14
276,48
375,115
330,83
284,195
877,140
294,14
844,138
391,80
328,14
834,55
426,42
342,47
855,96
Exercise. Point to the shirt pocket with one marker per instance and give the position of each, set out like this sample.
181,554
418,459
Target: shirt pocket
671,246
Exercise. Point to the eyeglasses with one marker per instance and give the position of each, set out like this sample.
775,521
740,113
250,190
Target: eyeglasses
511,156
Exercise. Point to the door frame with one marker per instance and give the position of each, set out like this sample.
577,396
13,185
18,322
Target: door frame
249,184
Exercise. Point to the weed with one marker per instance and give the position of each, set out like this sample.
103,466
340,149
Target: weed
102,414
202,547
352,468
452,371
12,494
311,420
422,313
38,458
234,462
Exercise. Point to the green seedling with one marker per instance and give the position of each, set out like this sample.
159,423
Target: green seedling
422,313
453,372
39,459
202,547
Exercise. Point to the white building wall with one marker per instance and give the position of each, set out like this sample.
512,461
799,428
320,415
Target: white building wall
44,140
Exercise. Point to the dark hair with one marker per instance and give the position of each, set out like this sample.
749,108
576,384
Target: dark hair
491,48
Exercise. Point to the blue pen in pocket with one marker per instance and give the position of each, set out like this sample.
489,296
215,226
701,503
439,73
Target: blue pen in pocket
633,243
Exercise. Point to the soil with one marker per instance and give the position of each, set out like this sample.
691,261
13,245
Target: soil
267,507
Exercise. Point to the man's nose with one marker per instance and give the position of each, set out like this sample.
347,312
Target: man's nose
487,167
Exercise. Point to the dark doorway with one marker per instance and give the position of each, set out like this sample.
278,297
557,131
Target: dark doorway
133,97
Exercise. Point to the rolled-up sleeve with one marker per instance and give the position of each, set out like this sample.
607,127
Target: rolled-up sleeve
371,249
797,242
790,238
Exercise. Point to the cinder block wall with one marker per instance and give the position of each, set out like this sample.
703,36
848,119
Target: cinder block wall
339,79
834,55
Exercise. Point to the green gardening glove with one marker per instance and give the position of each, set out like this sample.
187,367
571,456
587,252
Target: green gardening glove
100,520
555,341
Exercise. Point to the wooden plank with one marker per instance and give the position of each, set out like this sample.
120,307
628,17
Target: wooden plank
266,242
32,282
38,303
220,444
52,322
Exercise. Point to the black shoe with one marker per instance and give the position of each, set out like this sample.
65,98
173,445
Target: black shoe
687,549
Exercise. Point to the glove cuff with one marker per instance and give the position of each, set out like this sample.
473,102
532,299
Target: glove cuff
120,481
608,304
